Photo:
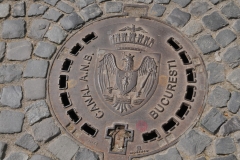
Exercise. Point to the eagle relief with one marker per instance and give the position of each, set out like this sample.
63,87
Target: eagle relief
127,78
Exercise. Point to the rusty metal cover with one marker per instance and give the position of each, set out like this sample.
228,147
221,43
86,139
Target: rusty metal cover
127,87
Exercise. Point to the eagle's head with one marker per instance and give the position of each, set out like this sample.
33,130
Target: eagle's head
128,62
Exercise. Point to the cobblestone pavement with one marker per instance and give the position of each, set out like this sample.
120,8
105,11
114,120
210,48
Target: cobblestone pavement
31,31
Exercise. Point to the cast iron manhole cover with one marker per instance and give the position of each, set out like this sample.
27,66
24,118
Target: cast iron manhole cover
127,87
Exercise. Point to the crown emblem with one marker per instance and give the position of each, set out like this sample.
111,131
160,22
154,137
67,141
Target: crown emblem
133,38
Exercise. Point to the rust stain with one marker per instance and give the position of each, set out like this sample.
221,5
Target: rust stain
72,83
163,80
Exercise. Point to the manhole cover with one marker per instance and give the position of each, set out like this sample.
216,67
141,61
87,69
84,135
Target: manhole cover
127,87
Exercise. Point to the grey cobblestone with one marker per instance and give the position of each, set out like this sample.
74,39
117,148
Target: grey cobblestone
144,1
219,97
199,8
162,1
12,96
52,14
178,18
4,10
232,56
84,3
72,21
56,34
45,130
202,158
158,10
2,50
84,154
207,44
17,156
230,126
64,7
172,154
36,69
15,28
215,1
37,111
230,157
225,37
214,21
193,28
19,50
36,10
216,73
10,73
234,102
194,143
213,120
225,146
8,124
63,148
234,78
231,10
38,29
45,50
3,148
34,89
113,7
19,9
182,3
39,157
236,26
91,12
51,2
27,142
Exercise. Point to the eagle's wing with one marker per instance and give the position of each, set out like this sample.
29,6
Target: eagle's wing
107,67
148,70
125,28
141,29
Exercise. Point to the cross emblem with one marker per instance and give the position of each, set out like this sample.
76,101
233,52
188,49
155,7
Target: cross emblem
119,136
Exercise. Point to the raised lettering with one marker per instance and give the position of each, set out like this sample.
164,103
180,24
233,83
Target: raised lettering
153,114
87,58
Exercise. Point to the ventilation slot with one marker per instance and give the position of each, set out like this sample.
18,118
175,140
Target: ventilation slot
89,37
75,50
190,93
190,75
65,100
73,116
170,125
63,82
183,111
89,130
66,65
153,135
174,44
186,60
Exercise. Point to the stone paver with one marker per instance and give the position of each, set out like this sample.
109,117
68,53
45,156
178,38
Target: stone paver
219,97
230,157
19,9
225,146
27,142
3,148
84,3
52,14
230,126
71,22
144,1
19,50
36,10
162,1
214,21
194,143
12,96
91,12
234,78
17,156
45,130
2,50
10,125
202,158
38,28
39,157
231,10
64,7
225,37
158,10
10,73
113,7
213,120
34,89
232,56
84,154
236,26
216,73
172,154
45,49
182,3
36,69
199,8
14,28
207,44
63,148
234,102
56,34
51,2
178,18
37,111
4,8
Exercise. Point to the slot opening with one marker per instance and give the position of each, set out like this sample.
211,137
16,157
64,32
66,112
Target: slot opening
185,58
175,44
88,129
63,82
88,38
170,125
65,100
184,109
190,93
75,50
66,65
151,136
73,116
190,75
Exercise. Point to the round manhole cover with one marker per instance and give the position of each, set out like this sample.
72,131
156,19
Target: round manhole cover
128,87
